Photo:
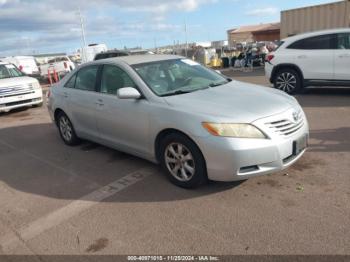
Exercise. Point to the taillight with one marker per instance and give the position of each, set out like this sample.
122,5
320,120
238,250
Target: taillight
48,94
20,68
65,65
270,57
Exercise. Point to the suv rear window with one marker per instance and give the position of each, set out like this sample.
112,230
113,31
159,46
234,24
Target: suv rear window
321,42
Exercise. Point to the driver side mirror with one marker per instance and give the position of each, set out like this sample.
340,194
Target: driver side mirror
128,93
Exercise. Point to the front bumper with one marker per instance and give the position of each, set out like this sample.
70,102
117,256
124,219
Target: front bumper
232,159
9,103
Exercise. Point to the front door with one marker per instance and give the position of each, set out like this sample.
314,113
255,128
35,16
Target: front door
122,122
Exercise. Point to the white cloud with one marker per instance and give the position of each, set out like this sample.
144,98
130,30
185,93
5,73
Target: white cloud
266,11
51,23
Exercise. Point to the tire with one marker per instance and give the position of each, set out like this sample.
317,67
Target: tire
288,80
66,130
182,161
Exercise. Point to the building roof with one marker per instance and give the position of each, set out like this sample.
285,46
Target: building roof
256,28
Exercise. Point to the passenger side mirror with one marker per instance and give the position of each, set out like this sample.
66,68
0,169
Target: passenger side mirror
128,93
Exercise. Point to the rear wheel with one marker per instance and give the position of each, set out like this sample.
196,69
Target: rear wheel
288,80
66,130
182,161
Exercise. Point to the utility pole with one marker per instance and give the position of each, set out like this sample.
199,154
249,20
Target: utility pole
82,32
155,46
186,47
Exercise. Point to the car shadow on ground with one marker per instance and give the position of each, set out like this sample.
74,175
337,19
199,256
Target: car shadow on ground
34,160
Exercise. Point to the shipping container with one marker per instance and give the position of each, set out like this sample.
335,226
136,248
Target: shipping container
313,18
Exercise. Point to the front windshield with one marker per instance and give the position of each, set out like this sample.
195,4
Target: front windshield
177,76
8,71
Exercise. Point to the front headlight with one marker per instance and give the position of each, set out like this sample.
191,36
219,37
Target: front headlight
36,85
234,130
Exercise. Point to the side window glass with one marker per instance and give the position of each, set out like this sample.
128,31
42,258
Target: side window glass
71,82
114,78
314,43
86,78
343,41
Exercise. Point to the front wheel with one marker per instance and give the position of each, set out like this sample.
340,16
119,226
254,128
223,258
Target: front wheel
66,130
182,161
288,80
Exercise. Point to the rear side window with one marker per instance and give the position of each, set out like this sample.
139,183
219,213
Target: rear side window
315,43
343,41
86,78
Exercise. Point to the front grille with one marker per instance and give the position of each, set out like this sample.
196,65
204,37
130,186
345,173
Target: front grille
16,90
19,102
286,127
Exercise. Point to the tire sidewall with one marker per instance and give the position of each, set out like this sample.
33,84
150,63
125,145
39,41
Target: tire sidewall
298,87
200,176
74,139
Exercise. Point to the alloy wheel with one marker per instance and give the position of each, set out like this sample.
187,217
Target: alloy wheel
286,82
179,161
66,128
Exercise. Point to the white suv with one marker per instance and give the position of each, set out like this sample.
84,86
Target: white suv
314,59
17,89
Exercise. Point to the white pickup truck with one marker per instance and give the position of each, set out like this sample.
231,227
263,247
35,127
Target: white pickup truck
61,65
17,89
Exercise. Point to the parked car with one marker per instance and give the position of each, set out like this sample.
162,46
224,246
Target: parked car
195,122
25,64
17,89
110,54
62,65
117,53
314,59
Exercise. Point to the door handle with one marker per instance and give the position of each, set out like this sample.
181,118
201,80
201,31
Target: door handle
344,56
302,56
65,95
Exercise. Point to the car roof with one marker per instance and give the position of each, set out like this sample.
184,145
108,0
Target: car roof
140,59
316,33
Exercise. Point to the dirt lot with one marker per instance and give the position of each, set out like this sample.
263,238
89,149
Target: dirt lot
93,200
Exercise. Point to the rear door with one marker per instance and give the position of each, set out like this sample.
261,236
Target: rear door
82,101
315,56
342,57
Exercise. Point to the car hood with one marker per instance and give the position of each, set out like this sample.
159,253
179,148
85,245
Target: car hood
16,81
235,101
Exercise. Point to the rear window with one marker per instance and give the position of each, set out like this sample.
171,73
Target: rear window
321,42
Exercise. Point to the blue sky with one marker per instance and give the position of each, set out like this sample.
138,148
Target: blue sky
28,26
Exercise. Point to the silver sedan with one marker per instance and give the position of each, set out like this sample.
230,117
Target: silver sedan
195,122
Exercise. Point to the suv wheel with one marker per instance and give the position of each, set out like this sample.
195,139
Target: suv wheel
288,80
66,130
182,161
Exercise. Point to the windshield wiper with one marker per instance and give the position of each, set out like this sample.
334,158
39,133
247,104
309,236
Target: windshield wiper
177,92
217,84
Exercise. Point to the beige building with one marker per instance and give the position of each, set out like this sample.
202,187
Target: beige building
253,33
313,18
